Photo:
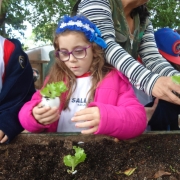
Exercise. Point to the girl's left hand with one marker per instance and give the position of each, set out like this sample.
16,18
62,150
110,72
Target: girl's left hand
87,118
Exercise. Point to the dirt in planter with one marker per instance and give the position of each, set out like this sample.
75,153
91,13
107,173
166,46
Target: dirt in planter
40,157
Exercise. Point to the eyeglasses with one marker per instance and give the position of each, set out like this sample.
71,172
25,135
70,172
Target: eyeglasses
78,53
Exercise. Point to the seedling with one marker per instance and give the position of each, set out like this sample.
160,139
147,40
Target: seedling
51,93
73,161
53,90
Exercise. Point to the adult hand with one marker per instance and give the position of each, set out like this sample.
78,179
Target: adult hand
45,115
163,90
150,110
3,137
87,118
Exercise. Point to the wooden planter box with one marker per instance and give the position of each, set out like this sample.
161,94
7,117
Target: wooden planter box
40,157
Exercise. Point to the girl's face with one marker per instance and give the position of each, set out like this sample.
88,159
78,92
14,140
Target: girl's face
75,42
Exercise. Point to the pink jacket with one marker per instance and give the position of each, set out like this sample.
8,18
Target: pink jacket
122,116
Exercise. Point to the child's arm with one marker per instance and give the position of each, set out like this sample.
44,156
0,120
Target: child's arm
115,111
125,120
32,117
45,115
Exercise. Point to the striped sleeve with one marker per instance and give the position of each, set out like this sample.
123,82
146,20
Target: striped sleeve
99,12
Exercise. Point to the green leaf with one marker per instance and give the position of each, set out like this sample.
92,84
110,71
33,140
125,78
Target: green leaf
53,90
73,161
176,79
80,155
68,160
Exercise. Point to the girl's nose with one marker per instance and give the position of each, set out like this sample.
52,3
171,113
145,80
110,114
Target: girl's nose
72,58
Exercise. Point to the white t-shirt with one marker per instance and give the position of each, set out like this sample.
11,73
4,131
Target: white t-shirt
1,60
77,102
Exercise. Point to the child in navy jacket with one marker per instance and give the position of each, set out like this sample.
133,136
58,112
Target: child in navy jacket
16,86
167,115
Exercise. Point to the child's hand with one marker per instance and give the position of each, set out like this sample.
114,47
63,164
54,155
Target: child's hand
3,137
87,118
45,115
150,110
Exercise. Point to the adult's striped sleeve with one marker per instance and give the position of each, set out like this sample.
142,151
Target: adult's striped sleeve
99,12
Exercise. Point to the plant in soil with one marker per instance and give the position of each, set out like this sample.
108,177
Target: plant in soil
73,161
51,93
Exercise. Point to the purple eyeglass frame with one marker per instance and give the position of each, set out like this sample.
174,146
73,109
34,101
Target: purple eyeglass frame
84,48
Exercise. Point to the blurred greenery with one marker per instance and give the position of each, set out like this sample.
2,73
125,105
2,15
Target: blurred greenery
165,13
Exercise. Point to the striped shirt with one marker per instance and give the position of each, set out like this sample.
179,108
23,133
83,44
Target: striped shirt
99,12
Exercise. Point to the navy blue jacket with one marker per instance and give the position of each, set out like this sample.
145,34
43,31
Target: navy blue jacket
165,116
18,87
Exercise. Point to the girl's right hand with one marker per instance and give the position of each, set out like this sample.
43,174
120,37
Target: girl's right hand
45,115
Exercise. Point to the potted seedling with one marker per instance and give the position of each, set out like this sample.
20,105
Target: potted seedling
51,93
73,161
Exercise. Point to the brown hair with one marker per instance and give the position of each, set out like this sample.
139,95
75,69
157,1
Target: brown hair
176,66
142,11
60,72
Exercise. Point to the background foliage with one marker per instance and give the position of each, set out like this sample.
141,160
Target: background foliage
165,13
12,15
43,15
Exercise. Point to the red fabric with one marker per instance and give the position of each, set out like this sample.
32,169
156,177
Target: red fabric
8,49
139,59
84,75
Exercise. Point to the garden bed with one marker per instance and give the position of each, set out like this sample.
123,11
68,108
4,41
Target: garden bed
40,157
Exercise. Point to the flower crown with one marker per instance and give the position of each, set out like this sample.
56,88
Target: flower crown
82,24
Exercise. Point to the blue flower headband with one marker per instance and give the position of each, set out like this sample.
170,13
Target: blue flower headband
82,24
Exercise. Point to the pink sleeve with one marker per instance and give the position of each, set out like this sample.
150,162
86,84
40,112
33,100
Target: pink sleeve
27,119
124,119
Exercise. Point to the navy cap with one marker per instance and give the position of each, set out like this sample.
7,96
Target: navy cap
168,43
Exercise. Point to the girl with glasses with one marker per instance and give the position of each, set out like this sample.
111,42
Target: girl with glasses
100,100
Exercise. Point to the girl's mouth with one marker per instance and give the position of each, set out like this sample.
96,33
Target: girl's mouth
74,68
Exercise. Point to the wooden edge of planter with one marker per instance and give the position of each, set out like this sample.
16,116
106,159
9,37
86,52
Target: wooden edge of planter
41,138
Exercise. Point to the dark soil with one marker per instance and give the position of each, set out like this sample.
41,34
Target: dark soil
40,157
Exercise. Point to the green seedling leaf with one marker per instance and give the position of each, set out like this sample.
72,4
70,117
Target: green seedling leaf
73,161
176,79
53,90
172,168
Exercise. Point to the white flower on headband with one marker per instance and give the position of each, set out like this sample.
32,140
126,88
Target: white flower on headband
63,25
70,23
86,26
78,24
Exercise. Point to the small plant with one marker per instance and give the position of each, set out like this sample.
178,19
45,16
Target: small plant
53,90
73,161
51,93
